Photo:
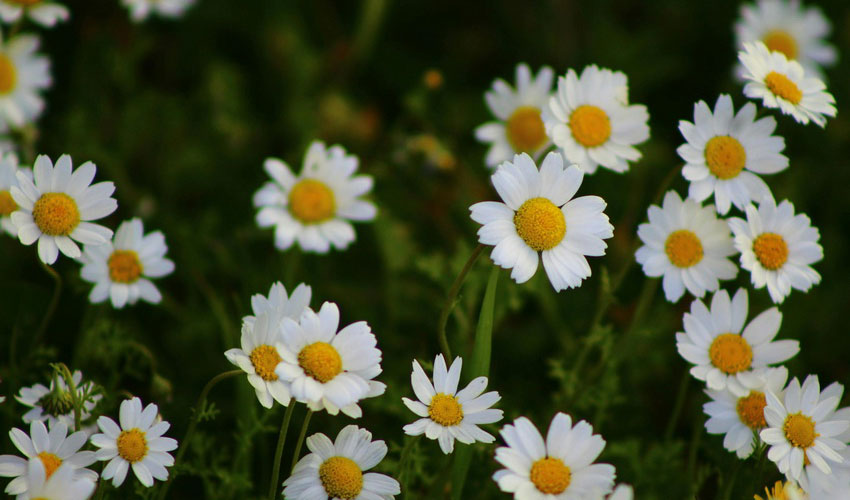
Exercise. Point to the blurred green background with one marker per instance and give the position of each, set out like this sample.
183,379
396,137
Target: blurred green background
181,114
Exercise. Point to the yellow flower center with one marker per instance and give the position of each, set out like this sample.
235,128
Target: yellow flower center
56,214
751,410
132,445
312,201
778,492
51,463
341,477
771,250
725,156
781,41
525,130
800,430
683,248
7,204
550,475
590,126
321,361
265,358
730,353
783,87
124,266
8,74
445,410
540,224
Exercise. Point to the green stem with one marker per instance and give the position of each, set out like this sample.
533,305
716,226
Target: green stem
677,406
300,441
451,300
51,307
278,454
65,373
404,458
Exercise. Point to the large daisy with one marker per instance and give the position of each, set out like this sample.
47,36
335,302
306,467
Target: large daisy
592,121
259,356
59,207
561,467
142,9
778,248
43,12
8,177
446,413
280,304
520,114
337,469
63,484
54,405
686,244
23,76
314,208
539,219
783,84
726,150
835,484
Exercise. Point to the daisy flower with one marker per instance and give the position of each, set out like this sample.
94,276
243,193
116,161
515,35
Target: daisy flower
138,442
52,449
121,268
280,304
784,84
329,369
799,429
8,178
335,469
787,27
539,219
592,121
778,248
54,405
58,207
560,467
725,356
314,208
23,75
42,12
62,484
519,115
142,9
448,414
787,490
726,150
258,358
832,486
686,244
740,418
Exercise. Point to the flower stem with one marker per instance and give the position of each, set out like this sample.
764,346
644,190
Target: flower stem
51,307
451,300
65,373
281,439
300,439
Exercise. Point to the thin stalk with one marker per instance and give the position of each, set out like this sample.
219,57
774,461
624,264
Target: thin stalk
278,454
300,441
51,307
65,373
451,300
677,406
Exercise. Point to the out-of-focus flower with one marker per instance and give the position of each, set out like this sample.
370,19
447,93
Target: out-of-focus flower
8,178
140,10
23,76
54,405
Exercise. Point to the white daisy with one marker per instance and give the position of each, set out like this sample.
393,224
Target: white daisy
834,485
141,9
259,356
121,268
63,484
739,418
778,247
314,208
688,245
280,304
53,404
43,12
787,27
448,414
784,84
538,215
724,352
725,151
622,492
561,467
519,113
52,449
592,121
138,442
23,75
329,369
8,178
336,469
58,208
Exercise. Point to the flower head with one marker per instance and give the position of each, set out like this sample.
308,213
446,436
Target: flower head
140,10
279,304
8,177
43,12
62,484
259,356
54,404
24,74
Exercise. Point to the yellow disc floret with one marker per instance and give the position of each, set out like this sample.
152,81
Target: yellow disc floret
312,201
50,461
540,224
8,74
730,353
683,248
56,214
783,87
725,156
265,358
321,361
550,475
341,477
132,445
771,250
800,430
525,130
445,410
781,41
750,410
124,266
7,203
590,126
780,491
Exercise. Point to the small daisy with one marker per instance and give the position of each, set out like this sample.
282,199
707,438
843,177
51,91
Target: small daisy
448,414
798,429
62,484
560,467
778,248
520,115
53,404
725,356
43,12
726,150
58,208
52,449
280,304
121,268
8,178
740,418
138,442
539,219
314,208
336,469
329,369
688,245
787,490
23,75
592,121
258,358
783,84
141,9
